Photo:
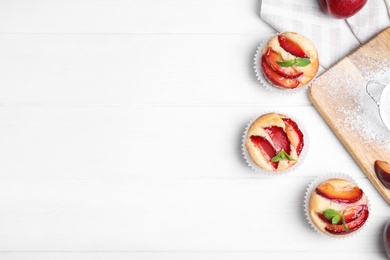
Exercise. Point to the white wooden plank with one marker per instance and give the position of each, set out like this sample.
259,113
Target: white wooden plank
230,255
157,215
82,142
134,69
122,16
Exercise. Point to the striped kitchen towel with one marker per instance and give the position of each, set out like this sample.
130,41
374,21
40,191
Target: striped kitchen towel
334,38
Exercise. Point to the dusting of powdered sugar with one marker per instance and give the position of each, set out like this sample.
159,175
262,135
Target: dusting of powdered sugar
363,117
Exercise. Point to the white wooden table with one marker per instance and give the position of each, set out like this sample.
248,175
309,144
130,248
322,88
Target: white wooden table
120,137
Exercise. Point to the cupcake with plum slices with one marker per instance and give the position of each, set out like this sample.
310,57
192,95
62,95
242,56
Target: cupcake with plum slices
337,207
273,142
288,61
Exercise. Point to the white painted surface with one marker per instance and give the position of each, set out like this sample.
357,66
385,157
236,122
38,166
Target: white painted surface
120,130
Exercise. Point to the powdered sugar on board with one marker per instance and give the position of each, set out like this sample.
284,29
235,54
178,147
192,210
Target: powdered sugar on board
361,114
365,117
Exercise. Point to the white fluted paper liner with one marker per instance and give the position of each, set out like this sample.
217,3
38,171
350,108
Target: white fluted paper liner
293,168
311,188
265,83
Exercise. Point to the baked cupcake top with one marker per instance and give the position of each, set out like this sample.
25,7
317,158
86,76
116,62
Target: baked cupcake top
338,207
289,60
274,142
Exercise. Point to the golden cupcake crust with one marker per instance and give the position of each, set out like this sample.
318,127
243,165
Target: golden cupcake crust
257,128
307,46
319,203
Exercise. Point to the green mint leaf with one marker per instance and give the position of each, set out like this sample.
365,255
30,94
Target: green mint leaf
344,223
336,220
289,157
331,213
281,156
336,216
277,158
302,62
287,63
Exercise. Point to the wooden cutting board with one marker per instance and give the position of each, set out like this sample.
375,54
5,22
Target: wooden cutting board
334,96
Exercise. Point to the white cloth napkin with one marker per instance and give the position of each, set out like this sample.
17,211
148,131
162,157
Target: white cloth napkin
334,38
372,19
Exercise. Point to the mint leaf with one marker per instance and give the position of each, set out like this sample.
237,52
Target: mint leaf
288,156
336,216
281,156
277,157
336,220
344,224
331,213
302,62
287,63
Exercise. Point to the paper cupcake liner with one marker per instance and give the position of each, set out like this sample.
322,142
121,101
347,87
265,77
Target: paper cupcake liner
265,83
312,186
293,168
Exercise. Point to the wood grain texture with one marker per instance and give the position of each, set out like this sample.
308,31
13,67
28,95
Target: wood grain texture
353,68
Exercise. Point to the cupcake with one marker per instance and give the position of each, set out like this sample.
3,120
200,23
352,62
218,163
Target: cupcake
274,142
289,60
337,207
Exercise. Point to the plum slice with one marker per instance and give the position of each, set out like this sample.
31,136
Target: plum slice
266,148
276,78
291,46
350,214
352,226
347,194
382,170
294,134
272,58
279,138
